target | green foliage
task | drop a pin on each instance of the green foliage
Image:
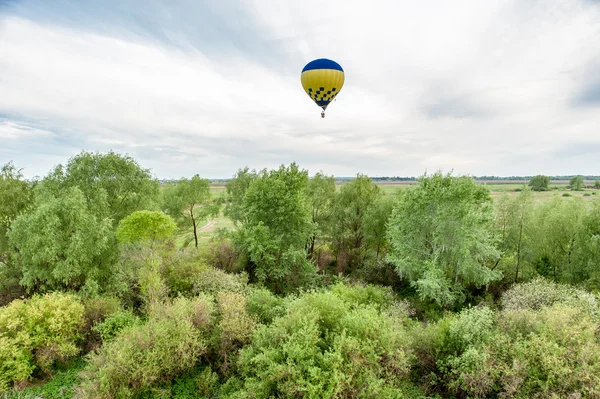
(539, 183)
(236, 189)
(264, 305)
(16, 196)
(576, 183)
(61, 244)
(189, 200)
(233, 330)
(110, 327)
(514, 220)
(37, 333)
(325, 347)
(146, 226)
(277, 227)
(540, 293)
(212, 281)
(143, 356)
(442, 237)
(113, 185)
(321, 196)
(351, 210)
(597, 184)
(532, 348)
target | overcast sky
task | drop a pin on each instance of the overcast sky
(494, 87)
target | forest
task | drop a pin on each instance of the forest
(108, 289)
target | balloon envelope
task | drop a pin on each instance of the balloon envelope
(322, 79)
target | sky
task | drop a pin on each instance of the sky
(495, 87)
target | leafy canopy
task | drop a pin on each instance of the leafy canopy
(442, 237)
(146, 226)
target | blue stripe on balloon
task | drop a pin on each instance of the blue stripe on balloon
(322, 63)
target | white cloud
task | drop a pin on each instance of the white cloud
(478, 87)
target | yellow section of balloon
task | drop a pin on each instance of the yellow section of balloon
(322, 80)
(322, 84)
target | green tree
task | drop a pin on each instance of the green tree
(189, 200)
(557, 228)
(442, 237)
(16, 197)
(375, 225)
(515, 216)
(236, 189)
(321, 195)
(597, 184)
(352, 205)
(146, 226)
(62, 244)
(539, 183)
(113, 185)
(576, 183)
(277, 228)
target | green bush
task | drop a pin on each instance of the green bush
(233, 330)
(554, 352)
(539, 293)
(551, 351)
(181, 271)
(96, 311)
(115, 323)
(37, 333)
(264, 305)
(325, 346)
(147, 355)
(212, 281)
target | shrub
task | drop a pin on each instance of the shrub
(324, 347)
(181, 274)
(36, 334)
(264, 305)
(211, 281)
(221, 254)
(233, 330)
(539, 293)
(115, 323)
(557, 351)
(147, 355)
(96, 311)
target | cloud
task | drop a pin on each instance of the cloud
(210, 87)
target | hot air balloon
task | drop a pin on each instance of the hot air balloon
(322, 79)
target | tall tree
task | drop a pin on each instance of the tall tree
(442, 237)
(351, 208)
(236, 189)
(189, 199)
(557, 228)
(277, 227)
(516, 218)
(321, 195)
(113, 185)
(62, 244)
(16, 196)
(375, 225)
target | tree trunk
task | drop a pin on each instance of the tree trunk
(194, 224)
(456, 277)
(519, 249)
